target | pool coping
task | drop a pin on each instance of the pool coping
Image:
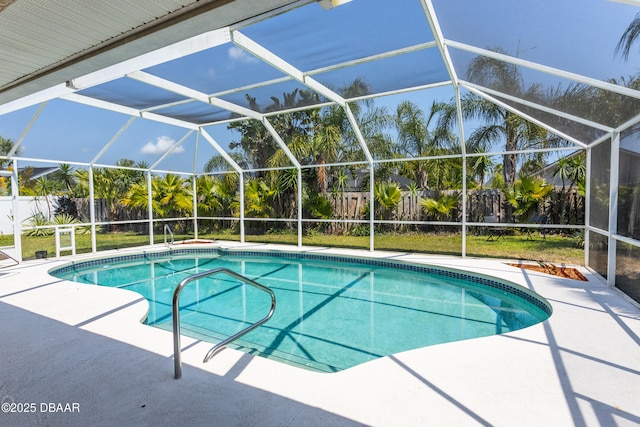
(578, 367)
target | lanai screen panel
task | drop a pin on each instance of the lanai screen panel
(600, 185)
(310, 38)
(68, 132)
(573, 127)
(572, 97)
(413, 69)
(218, 69)
(132, 93)
(13, 124)
(145, 142)
(578, 36)
(195, 112)
(629, 184)
(275, 97)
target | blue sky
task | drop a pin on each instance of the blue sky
(573, 35)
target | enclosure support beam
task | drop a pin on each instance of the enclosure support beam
(299, 196)
(463, 147)
(195, 188)
(194, 191)
(92, 211)
(369, 157)
(371, 209)
(150, 206)
(164, 54)
(613, 208)
(430, 13)
(587, 206)
(434, 24)
(241, 207)
(17, 227)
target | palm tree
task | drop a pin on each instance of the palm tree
(418, 136)
(220, 164)
(578, 170)
(387, 195)
(65, 176)
(317, 206)
(81, 179)
(170, 196)
(137, 197)
(572, 168)
(563, 170)
(441, 206)
(173, 195)
(480, 168)
(628, 38)
(208, 195)
(256, 143)
(258, 199)
(45, 187)
(500, 123)
(525, 194)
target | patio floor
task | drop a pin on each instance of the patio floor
(68, 343)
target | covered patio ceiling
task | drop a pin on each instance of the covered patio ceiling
(198, 65)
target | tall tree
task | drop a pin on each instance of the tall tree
(419, 135)
(500, 124)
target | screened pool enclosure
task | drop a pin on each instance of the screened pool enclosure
(411, 125)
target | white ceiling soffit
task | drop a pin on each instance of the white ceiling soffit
(48, 42)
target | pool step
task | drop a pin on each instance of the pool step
(247, 346)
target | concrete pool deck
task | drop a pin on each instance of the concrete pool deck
(67, 346)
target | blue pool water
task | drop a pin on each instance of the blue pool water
(331, 313)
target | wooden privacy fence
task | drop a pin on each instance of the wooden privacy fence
(561, 208)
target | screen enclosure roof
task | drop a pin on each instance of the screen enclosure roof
(121, 73)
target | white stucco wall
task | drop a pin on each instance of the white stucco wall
(27, 207)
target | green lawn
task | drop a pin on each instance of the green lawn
(555, 249)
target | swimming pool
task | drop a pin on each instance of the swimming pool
(332, 312)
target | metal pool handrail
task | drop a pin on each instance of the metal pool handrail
(167, 228)
(177, 361)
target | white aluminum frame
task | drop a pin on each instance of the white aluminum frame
(133, 69)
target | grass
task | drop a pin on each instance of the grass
(554, 249)
(104, 242)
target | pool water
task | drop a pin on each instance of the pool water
(330, 314)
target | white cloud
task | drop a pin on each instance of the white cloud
(161, 146)
(237, 54)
